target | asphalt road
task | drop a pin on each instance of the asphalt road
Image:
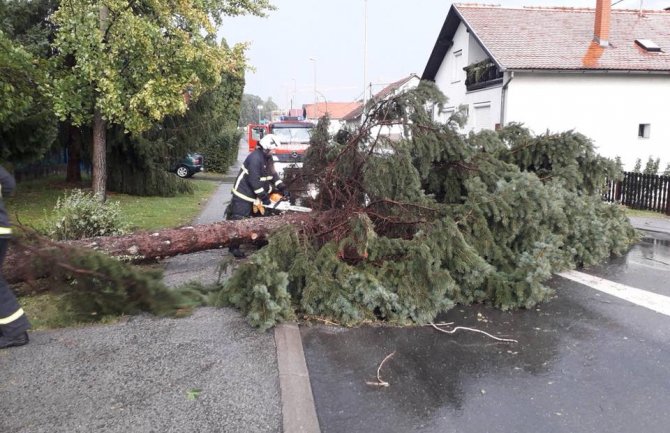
(585, 362)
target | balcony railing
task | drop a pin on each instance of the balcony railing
(482, 74)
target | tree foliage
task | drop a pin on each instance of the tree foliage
(129, 63)
(95, 285)
(249, 109)
(27, 123)
(652, 166)
(136, 65)
(209, 126)
(407, 229)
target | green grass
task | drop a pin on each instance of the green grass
(50, 311)
(646, 214)
(34, 201)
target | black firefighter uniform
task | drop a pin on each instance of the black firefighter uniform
(13, 320)
(257, 178)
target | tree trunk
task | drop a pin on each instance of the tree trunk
(144, 246)
(99, 156)
(73, 154)
(99, 153)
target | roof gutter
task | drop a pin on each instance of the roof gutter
(503, 98)
(593, 71)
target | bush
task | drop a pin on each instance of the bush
(222, 153)
(81, 215)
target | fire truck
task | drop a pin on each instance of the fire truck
(294, 133)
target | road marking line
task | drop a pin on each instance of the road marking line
(644, 298)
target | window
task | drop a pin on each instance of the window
(446, 114)
(257, 133)
(644, 130)
(457, 66)
(483, 116)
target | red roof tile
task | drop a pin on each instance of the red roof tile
(383, 93)
(561, 38)
(335, 110)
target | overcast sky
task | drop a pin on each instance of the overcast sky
(400, 37)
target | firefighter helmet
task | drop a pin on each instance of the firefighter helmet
(270, 142)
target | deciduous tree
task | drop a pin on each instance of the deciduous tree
(130, 63)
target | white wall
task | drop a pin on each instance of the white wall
(483, 105)
(607, 108)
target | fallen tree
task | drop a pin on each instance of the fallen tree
(402, 230)
(408, 228)
(29, 260)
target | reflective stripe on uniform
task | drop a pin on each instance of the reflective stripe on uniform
(259, 190)
(243, 197)
(278, 182)
(240, 176)
(5, 230)
(9, 319)
(243, 171)
(266, 178)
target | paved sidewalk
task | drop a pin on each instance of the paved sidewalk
(210, 372)
(660, 224)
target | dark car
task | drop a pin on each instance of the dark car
(191, 164)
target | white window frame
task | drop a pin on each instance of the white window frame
(457, 67)
(644, 130)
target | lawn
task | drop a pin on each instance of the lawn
(34, 201)
(645, 214)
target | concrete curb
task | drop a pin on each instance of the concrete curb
(297, 400)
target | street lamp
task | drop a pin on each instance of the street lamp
(312, 59)
(260, 107)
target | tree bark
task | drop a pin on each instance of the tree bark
(99, 156)
(144, 246)
(99, 153)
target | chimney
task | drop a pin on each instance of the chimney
(601, 31)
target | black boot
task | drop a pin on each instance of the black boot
(237, 252)
(18, 340)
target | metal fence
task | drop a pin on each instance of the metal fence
(53, 163)
(640, 191)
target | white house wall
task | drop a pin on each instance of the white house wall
(606, 108)
(483, 105)
(395, 131)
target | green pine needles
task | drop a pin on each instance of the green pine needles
(405, 229)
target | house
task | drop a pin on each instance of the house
(335, 111)
(353, 118)
(602, 72)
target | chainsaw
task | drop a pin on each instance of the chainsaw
(278, 204)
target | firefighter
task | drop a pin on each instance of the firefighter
(256, 180)
(13, 321)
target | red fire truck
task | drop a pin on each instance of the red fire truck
(294, 134)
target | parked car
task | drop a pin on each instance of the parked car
(191, 164)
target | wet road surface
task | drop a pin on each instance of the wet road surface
(646, 266)
(584, 362)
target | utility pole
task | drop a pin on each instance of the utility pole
(312, 59)
(365, 57)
